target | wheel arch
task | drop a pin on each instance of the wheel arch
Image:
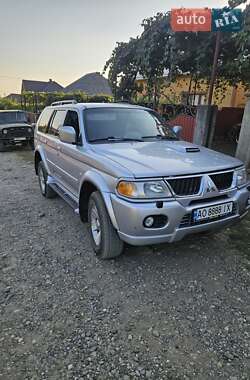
(39, 156)
(37, 159)
(91, 182)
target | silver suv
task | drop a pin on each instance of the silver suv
(126, 173)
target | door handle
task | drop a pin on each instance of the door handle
(59, 148)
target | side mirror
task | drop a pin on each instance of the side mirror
(177, 130)
(67, 134)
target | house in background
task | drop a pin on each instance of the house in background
(91, 84)
(181, 91)
(36, 86)
(17, 98)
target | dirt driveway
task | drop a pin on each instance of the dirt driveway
(177, 311)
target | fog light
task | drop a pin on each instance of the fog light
(155, 221)
(149, 221)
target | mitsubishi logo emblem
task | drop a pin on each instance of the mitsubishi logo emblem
(209, 186)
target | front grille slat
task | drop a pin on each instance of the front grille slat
(222, 181)
(185, 186)
(182, 187)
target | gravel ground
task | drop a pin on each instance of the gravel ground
(177, 311)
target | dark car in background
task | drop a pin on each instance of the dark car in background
(15, 129)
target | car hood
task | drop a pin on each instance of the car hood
(165, 158)
(13, 125)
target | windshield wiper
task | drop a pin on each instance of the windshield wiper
(114, 139)
(160, 137)
(152, 137)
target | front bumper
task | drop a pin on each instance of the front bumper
(130, 216)
(17, 140)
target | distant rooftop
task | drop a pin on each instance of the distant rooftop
(41, 86)
(91, 84)
(14, 97)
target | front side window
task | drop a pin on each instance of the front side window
(121, 124)
(13, 117)
(72, 120)
(44, 119)
(57, 122)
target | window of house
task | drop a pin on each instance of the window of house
(193, 99)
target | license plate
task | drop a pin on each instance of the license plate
(211, 212)
(19, 138)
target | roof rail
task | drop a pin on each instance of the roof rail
(62, 102)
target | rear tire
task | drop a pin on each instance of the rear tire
(46, 190)
(104, 238)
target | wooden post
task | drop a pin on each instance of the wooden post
(243, 148)
(214, 69)
(205, 125)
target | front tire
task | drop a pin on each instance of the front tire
(104, 238)
(46, 190)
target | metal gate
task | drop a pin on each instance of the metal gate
(182, 115)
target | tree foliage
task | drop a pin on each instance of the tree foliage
(8, 104)
(123, 68)
(35, 102)
(159, 50)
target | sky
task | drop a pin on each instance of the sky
(65, 39)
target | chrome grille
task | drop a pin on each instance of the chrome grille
(185, 186)
(222, 181)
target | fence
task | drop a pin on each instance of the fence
(182, 115)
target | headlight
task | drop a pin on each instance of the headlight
(143, 190)
(5, 131)
(30, 130)
(241, 176)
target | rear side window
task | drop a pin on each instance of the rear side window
(44, 120)
(58, 121)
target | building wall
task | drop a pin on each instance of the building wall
(227, 97)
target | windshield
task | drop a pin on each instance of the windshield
(12, 117)
(124, 124)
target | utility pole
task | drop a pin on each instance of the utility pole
(214, 68)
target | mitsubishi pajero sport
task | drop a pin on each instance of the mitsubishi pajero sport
(130, 177)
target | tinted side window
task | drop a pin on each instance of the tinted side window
(58, 121)
(72, 120)
(44, 120)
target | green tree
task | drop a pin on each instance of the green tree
(155, 53)
(123, 68)
(158, 50)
